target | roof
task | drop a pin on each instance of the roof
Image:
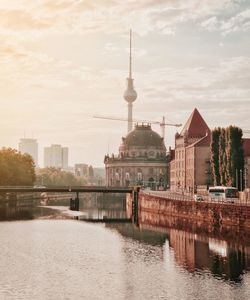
(246, 147)
(143, 136)
(195, 125)
(203, 142)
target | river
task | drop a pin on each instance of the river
(47, 254)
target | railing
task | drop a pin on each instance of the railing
(67, 189)
(188, 197)
(169, 195)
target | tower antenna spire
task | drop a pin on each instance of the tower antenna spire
(130, 53)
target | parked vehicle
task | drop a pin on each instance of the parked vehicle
(223, 193)
(198, 197)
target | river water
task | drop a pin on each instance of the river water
(47, 255)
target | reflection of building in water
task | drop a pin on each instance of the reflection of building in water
(195, 252)
(143, 235)
(189, 252)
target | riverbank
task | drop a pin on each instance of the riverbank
(209, 213)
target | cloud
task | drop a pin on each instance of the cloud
(214, 87)
(61, 61)
(210, 24)
(105, 15)
(240, 22)
(237, 23)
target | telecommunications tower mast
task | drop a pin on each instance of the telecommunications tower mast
(130, 94)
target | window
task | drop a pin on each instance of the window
(139, 176)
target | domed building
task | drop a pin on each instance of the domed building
(142, 160)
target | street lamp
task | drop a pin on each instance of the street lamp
(241, 180)
(246, 171)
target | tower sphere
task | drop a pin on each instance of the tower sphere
(130, 94)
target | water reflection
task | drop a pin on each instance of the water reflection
(223, 252)
(225, 259)
(29, 212)
(194, 252)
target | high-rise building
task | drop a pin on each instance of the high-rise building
(29, 146)
(56, 156)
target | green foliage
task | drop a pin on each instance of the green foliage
(215, 155)
(16, 168)
(222, 157)
(227, 156)
(57, 177)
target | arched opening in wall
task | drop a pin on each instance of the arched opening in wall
(161, 184)
(151, 183)
(117, 178)
(127, 179)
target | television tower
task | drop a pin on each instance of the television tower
(130, 94)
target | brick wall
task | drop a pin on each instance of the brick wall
(210, 213)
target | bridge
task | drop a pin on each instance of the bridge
(74, 203)
(67, 189)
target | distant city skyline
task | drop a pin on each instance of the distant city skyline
(29, 146)
(64, 61)
(56, 156)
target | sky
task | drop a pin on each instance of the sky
(63, 61)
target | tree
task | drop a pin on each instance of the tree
(222, 156)
(16, 168)
(57, 177)
(227, 156)
(215, 155)
(235, 156)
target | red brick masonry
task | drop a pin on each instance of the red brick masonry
(212, 213)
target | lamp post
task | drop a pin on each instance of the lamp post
(241, 180)
(245, 177)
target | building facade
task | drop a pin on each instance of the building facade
(142, 160)
(29, 146)
(56, 156)
(190, 164)
(81, 170)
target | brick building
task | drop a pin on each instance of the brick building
(190, 164)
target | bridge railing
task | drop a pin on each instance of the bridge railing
(67, 189)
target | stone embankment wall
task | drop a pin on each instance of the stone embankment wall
(212, 213)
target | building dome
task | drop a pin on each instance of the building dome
(143, 136)
(142, 160)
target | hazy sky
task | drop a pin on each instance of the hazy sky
(62, 61)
